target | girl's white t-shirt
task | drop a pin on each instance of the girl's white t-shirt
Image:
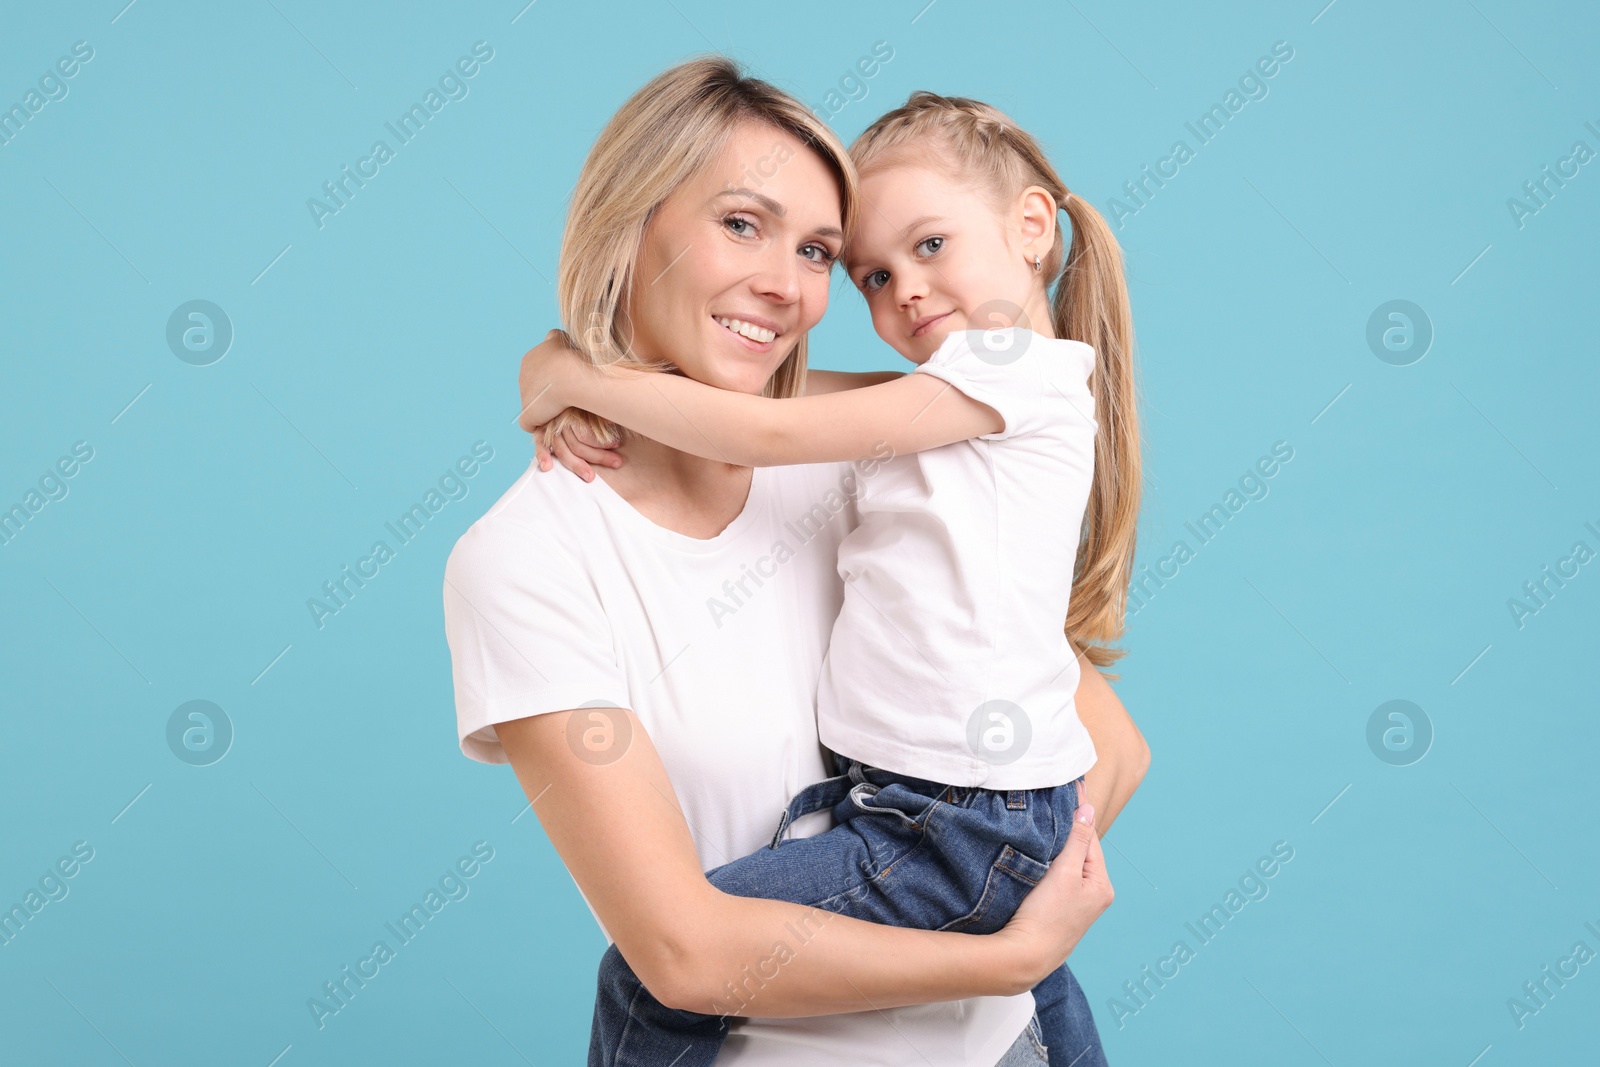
(948, 660)
(563, 595)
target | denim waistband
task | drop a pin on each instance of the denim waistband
(857, 775)
(814, 797)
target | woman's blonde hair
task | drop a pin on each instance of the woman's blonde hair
(660, 138)
(1090, 304)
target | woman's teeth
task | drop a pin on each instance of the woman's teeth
(750, 330)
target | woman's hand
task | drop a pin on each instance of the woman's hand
(1058, 911)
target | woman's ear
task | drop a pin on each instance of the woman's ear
(1036, 214)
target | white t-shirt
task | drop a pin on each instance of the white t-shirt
(564, 595)
(948, 660)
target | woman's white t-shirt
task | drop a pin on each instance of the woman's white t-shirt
(563, 595)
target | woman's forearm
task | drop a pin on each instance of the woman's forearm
(694, 946)
(1121, 751)
(745, 956)
(807, 961)
(817, 962)
(813, 962)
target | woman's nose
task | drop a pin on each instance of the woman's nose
(779, 279)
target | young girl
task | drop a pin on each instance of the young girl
(998, 492)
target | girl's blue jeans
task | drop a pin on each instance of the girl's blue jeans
(903, 851)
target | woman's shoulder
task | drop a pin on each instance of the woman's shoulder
(535, 521)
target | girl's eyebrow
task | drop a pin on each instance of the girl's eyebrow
(909, 228)
(772, 206)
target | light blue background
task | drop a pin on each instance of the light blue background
(375, 351)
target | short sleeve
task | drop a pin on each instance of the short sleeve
(1000, 368)
(526, 632)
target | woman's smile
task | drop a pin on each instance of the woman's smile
(755, 334)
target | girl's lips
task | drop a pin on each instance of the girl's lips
(927, 323)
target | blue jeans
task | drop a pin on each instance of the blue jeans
(1028, 1050)
(903, 851)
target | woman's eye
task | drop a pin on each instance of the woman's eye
(733, 221)
(932, 244)
(875, 280)
(822, 256)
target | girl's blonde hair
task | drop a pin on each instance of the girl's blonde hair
(1090, 304)
(668, 130)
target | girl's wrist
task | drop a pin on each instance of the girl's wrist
(592, 387)
(580, 385)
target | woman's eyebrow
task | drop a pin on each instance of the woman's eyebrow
(762, 199)
(773, 207)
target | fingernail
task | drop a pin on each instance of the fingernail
(1085, 813)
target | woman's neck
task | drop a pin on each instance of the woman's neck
(685, 493)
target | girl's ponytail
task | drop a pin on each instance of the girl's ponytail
(1091, 305)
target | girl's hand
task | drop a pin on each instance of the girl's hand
(1054, 916)
(546, 369)
(573, 439)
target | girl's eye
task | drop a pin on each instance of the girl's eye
(874, 281)
(932, 244)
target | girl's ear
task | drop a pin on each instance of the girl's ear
(1036, 210)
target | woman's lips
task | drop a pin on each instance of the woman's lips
(752, 345)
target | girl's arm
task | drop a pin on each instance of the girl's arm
(832, 381)
(910, 413)
(618, 829)
(580, 450)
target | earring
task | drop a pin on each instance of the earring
(1036, 266)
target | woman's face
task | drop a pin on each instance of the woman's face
(736, 263)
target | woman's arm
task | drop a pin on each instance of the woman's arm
(910, 413)
(1121, 751)
(618, 829)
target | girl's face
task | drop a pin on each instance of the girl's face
(932, 256)
(736, 263)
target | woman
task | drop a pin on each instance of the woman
(643, 647)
